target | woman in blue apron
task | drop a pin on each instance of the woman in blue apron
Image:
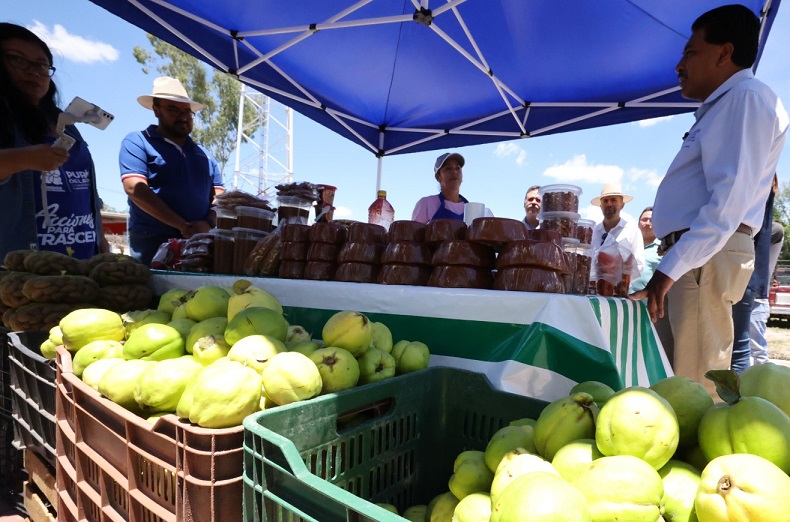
(48, 196)
(449, 203)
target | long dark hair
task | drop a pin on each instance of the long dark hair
(15, 109)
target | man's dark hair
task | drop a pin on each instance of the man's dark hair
(530, 189)
(14, 106)
(735, 24)
(647, 209)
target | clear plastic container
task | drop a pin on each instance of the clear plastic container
(562, 222)
(581, 279)
(381, 212)
(226, 218)
(559, 198)
(254, 218)
(569, 247)
(223, 251)
(293, 209)
(244, 241)
(584, 231)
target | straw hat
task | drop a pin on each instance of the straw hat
(611, 189)
(168, 88)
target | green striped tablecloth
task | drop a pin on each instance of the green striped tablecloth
(533, 344)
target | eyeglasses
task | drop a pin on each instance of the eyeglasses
(175, 112)
(23, 64)
(604, 236)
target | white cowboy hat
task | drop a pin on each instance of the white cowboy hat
(168, 88)
(611, 189)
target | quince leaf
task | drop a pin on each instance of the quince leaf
(728, 384)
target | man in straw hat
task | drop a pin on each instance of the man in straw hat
(713, 196)
(615, 230)
(170, 180)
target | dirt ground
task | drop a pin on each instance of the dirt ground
(779, 340)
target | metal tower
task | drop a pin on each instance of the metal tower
(264, 158)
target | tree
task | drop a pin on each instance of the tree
(217, 124)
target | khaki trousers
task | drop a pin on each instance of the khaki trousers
(700, 310)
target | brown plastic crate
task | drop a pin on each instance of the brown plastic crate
(113, 465)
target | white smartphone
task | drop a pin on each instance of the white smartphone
(64, 142)
(89, 113)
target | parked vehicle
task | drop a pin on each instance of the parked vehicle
(779, 296)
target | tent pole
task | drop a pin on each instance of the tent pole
(380, 161)
(378, 174)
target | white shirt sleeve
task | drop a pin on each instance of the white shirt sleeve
(735, 143)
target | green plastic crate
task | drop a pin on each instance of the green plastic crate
(331, 458)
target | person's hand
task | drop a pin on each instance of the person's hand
(187, 229)
(46, 157)
(655, 292)
(201, 227)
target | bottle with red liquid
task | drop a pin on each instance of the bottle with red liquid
(381, 212)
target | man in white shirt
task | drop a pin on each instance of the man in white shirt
(713, 196)
(614, 230)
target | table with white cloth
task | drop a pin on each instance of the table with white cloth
(532, 344)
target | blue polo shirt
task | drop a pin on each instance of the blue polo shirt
(182, 177)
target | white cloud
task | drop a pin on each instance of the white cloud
(506, 150)
(577, 169)
(591, 212)
(342, 213)
(73, 47)
(653, 121)
(644, 177)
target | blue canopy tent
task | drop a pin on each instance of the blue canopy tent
(399, 76)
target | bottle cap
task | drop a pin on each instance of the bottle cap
(382, 193)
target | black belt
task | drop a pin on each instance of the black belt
(670, 239)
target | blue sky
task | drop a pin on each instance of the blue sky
(93, 54)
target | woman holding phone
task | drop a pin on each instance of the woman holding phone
(48, 194)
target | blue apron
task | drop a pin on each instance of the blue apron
(446, 213)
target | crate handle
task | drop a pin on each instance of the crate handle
(362, 414)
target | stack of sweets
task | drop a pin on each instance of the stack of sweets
(325, 242)
(359, 260)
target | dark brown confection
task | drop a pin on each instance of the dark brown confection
(536, 254)
(584, 234)
(292, 269)
(322, 252)
(464, 253)
(414, 275)
(294, 250)
(328, 233)
(295, 232)
(581, 280)
(524, 279)
(447, 276)
(562, 222)
(559, 201)
(320, 270)
(360, 252)
(407, 253)
(366, 233)
(440, 230)
(357, 272)
(406, 231)
(541, 234)
(495, 232)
